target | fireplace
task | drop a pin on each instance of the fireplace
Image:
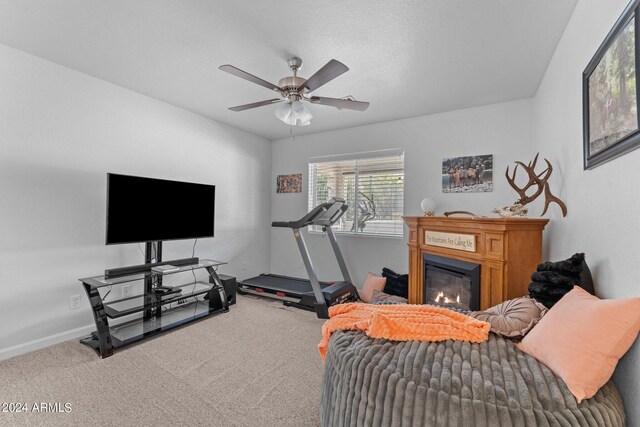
(506, 249)
(451, 283)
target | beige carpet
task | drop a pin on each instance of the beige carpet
(257, 365)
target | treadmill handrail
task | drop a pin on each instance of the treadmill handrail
(325, 214)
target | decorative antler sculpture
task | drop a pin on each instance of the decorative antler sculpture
(539, 180)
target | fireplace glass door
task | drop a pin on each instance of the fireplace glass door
(451, 283)
(448, 288)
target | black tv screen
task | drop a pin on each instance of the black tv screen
(143, 209)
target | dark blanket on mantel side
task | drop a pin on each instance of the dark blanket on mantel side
(377, 382)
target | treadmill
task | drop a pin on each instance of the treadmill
(308, 294)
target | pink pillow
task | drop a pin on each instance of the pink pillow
(373, 283)
(582, 338)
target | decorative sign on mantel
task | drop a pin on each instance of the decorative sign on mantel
(462, 242)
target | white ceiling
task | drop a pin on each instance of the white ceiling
(408, 58)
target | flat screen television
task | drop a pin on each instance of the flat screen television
(143, 209)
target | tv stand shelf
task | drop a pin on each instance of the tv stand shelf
(138, 303)
(161, 311)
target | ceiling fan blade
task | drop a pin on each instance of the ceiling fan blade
(244, 75)
(346, 104)
(255, 104)
(330, 71)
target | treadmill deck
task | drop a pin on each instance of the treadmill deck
(277, 283)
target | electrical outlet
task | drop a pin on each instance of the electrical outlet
(126, 291)
(74, 302)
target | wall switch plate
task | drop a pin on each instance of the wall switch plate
(74, 302)
(126, 291)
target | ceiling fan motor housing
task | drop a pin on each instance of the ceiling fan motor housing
(290, 86)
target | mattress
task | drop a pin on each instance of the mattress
(377, 382)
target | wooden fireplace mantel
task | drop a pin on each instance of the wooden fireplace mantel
(507, 250)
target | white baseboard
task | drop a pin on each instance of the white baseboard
(16, 350)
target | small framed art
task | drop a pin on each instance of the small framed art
(291, 183)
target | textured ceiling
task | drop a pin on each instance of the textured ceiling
(408, 58)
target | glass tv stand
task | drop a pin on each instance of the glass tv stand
(147, 303)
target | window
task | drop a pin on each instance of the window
(371, 183)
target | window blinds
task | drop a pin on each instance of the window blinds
(372, 186)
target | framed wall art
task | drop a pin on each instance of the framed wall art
(467, 174)
(291, 183)
(610, 94)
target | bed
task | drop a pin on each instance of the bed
(377, 382)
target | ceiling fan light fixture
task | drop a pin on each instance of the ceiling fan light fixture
(290, 120)
(294, 113)
(283, 111)
(301, 112)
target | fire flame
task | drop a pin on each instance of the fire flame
(440, 298)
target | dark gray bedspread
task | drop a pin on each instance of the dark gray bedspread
(377, 382)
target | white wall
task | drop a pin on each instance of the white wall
(503, 130)
(60, 133)
(603, 202)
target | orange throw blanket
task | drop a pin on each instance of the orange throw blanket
(403, 323)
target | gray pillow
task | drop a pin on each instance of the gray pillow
(512, 318)
(381, 298)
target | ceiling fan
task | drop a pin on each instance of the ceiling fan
(293, 90)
